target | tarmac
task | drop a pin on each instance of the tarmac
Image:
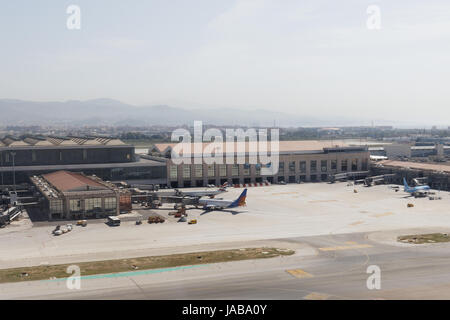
(336, 233)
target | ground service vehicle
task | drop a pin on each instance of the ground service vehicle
(113, 221)
(82, 223)
(154, 219)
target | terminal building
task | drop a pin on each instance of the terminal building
(108, 158)
(111, 159)
(299, 161)
(406, 150)
(437, 174)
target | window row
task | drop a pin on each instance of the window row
(90, 204)
(322, 166)
(199, 171)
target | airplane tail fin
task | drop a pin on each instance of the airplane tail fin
(224, 186)
(240, 201)
(405, 184)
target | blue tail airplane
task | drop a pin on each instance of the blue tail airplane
(216, 204)
(415, 190)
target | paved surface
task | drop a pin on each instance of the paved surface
(272, 212)
(336, 233)
(338, 271)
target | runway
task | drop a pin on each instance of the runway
(338, 270)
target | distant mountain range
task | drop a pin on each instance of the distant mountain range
(113, 112)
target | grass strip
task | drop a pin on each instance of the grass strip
(141, 263)
(424, 238)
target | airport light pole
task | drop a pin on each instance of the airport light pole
(13, 154)
(1, 161)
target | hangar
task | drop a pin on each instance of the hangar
(72, 195)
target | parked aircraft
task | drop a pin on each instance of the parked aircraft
(203, 193)
(415, 191)
(216, 204)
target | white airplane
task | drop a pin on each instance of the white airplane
(204, 193)
(216, 204)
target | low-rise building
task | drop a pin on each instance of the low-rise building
(72, 195)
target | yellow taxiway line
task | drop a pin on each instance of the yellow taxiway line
(299, 273)
(347, 247)
(316, 296)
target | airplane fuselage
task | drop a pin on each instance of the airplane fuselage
(414, 190)
(417, 189)
(217, 204)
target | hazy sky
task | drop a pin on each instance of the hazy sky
(310, 58)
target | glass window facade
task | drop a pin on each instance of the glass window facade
(222, 170)
(354, 164)
(211, 170)
(130, 173)
(110, 204)
(173, 171)
(281, 168)
(56, 206)
(333, 164)
(344, 165)
(91, 204)
(234, 170)
(75, 205)
(246, 169)
(186, 171)
(313, 165)
(323, 165)
(292, 166)
(302, 166)
(198, 170)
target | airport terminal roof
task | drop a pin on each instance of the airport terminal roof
(416, 165)
(65, 181)
(284, 146)
(55, 141)
(142, 162)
